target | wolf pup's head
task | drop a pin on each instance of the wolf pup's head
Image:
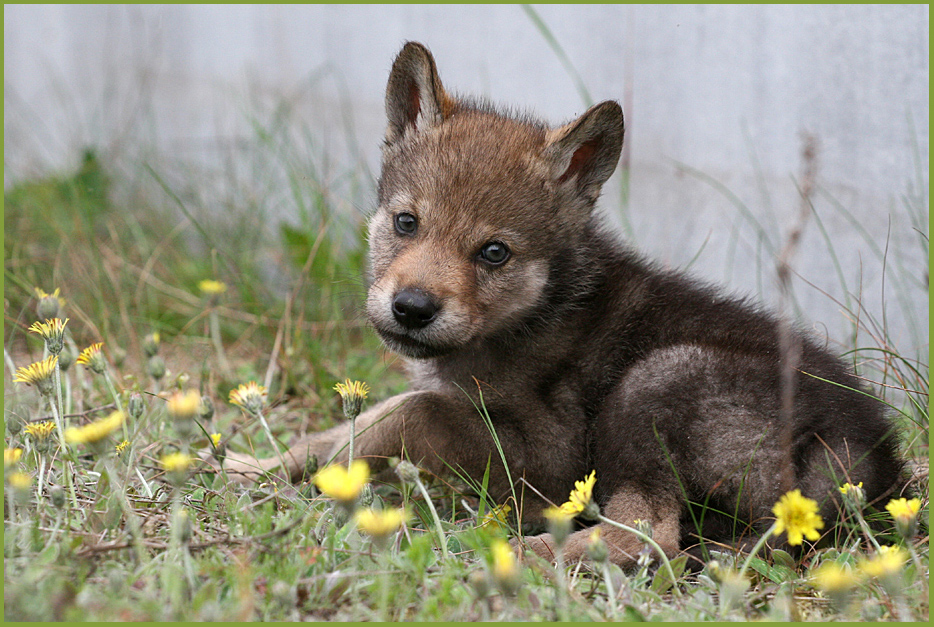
(476, 209)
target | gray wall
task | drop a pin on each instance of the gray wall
(716, 99)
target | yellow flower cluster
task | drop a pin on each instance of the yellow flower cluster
(352, 394)
(95, 431)
(53, 332)
(497, 518)
(798, 516)
(578, 500)
(184, 405)
(249, 396)
(904, 509)
(40, 430)
(342, 484)
(886, 562)
(212, 287)
(505, 567)
(176, 462)
(38, 374)
(380, 523)
(93, 358)
(11, 456)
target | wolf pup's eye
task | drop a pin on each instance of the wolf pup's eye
(406, 224)
(495, 253)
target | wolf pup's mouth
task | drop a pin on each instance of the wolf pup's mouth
(411, 347)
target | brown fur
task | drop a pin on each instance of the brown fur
(586, 356)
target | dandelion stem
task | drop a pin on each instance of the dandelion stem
(66, 453)
(610, 593)
(41, 461)
(353, 422)
(9, 361)
(216, 339)
(272, 440)
(113, 392)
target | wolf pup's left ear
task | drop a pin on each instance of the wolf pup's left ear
(586, 151)
(415, 98)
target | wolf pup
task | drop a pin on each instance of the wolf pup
(491, 273)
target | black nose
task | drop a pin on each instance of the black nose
(414, 309)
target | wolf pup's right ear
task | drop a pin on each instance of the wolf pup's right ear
(586, 151)
(415, 99)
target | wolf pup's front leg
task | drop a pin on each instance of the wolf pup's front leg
(437, 432)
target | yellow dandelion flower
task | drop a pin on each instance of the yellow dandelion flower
(798, 516)
(212, 287)
(497, 518)
(184, 405)
(122, 446)
(53, 332)
(249, 396)
(905, 512)
(886, 562)
(176, 462)
(832, 577)
(352, 395)
(341, 484)
(380, 523)
(38, 374)
(905, 509)
(93, 358)
(215, 439)
(581, 496)
(95, 431)
(847, 487)
(19, 480)
(40, 430)
(505, 566)
(50, 305)
(11, 456)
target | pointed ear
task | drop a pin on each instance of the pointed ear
(585, 152)
(415, 98)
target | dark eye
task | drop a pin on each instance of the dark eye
(406, 223)
(494, 253)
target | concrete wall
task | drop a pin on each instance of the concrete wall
(716, 99)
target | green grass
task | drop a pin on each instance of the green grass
(128, 248)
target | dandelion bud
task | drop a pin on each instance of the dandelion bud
(49, 305)
(220, 449)
(176, 467)
(57, 495)
(559, 524)
(155, 367)
(366, 496)
(136, 405)
(66, 358)
(407, 471)
(14, 425)
(506, 572)
(21, 484)
(480, 583)
(206, 408)
(183, 525)
(596, 547)
(311, 466)
(853, 495)
(151, 344)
